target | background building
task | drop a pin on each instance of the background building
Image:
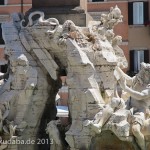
(139, 34)
(135, 28)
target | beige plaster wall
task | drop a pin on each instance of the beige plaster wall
(139, 37)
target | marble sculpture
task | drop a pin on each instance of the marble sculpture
(37, 49)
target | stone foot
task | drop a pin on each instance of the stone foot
(87, 123)
(96, 128)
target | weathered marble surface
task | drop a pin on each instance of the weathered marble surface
(128, 118)
(37, 51)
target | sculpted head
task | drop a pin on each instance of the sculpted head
(22, 60)
(116, 12)
(69, 25)
(19, 62)
(110, 34)
(144, 74)
(117, 40)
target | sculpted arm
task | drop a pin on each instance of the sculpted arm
(145, 94)
(120, 74)
(137, 95)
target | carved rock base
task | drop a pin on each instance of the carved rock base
(109, 141)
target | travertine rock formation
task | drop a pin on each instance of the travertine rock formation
(37, 51)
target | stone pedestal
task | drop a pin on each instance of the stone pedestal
(108, 141)
(47, 3)
(63, 10)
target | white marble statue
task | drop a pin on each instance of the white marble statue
(135, 108)
(138, 88)
(115, 104)
(112, 19)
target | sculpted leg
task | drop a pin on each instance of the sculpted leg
(105, 116)
(136, 130)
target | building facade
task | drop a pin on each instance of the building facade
(7, 7)
(139, 33)
(135, 28)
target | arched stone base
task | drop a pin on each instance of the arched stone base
(109, 141)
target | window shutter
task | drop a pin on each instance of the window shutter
(131, 60)
(1, 38)
(146, 56)
(2, 2)
(130, 13)
(146, 14)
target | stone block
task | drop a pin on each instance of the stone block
(58, 3)
(78, 19)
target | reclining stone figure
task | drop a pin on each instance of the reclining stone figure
(138, 88)
(115, 104)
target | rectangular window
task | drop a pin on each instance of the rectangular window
(2, 2)
(1, 38)
(138, 17)
(136, 57)
(138, 13)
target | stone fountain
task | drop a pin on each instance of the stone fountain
(37, 50)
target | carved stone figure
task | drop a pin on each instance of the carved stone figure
(54, 136)
(112, 19)
(115, 104)
(138, 88)
(120, 55)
